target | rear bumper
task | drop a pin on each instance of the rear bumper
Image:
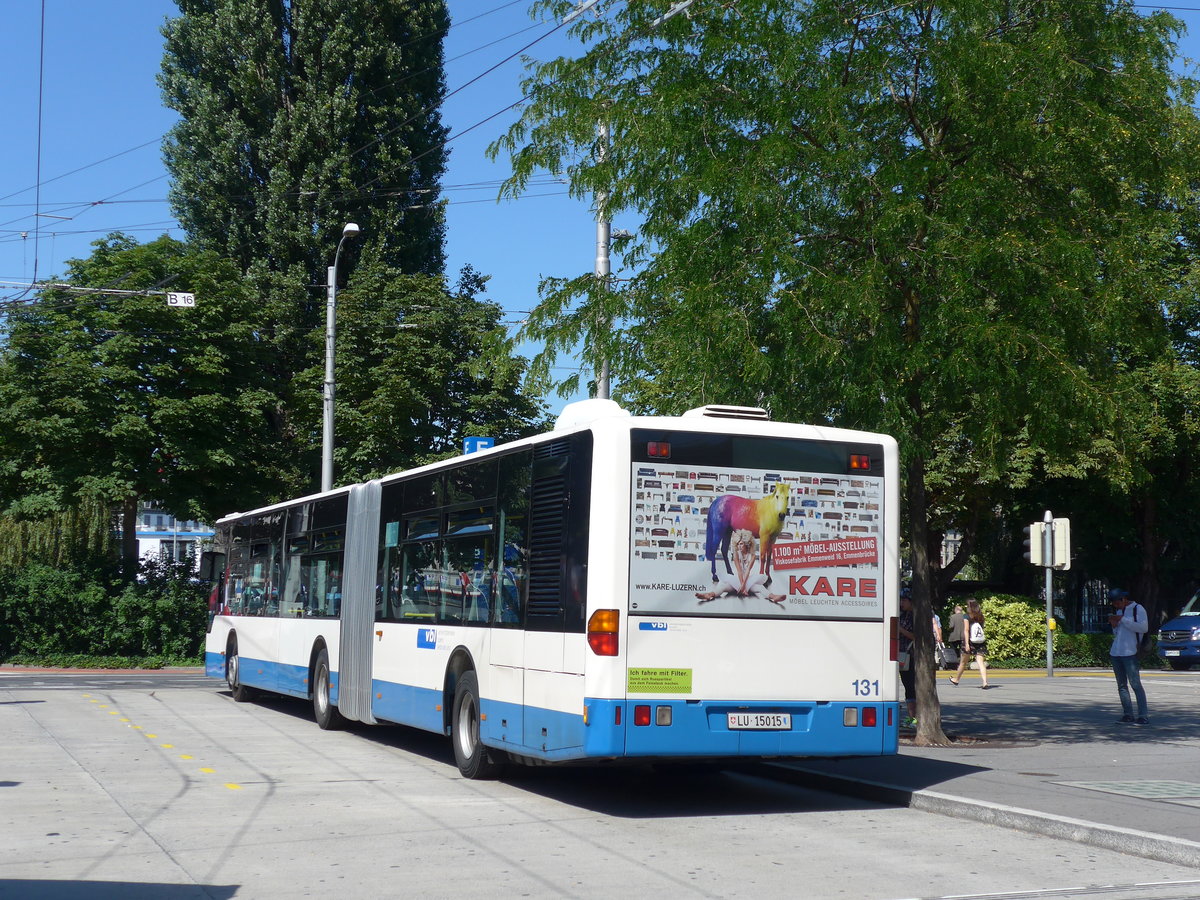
(701, 728)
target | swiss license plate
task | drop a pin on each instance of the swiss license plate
(1170, 652)
(760, 721)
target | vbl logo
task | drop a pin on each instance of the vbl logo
(427, 638)
(652, 626)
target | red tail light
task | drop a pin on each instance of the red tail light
(870, 716)
(894, 639)
(641, 715)
(602, 632)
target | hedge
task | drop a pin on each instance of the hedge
(54, 615)
(1016, 636)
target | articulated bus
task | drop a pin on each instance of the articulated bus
(703, 587)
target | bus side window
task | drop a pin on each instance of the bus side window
(512, 565)
(470, 566)
(322, 584)
(511, 581)
(419, 579)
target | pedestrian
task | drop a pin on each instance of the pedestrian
(907, 672)
(954, 638)
(974, 642)
(956, 629)
(1129, 622)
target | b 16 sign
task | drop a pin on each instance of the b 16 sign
(180, 299)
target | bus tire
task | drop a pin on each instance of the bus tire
(233, 675)
(324, 711)
(471, 756)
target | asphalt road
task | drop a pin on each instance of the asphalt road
(160, 786)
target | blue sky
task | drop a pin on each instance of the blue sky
(102, 119)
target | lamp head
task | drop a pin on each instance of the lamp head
(351, 230)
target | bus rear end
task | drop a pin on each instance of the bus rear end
(757, 590)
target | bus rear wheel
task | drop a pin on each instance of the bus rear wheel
(233, 676)
(324, 711)
(470, 754)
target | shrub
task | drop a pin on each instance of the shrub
(49, 613)
(1016, 635)
(1015, 626)
(163, 614)
(49, 610)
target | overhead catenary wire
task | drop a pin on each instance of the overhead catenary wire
(80, 208)
(14, 236)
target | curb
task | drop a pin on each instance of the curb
(1160, 847)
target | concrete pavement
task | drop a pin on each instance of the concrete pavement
(1045, 755)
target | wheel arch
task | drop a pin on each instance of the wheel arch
(231, 643)
(460, 661)
(318, 645)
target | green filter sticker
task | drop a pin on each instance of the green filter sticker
(660, 681)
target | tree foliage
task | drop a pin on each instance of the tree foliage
(108, 395)
(421, 366)
(950, 222)
(299, 117)
(296, 119)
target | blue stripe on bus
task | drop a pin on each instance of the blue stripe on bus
(405, 704)
(268, 676)
(699, 728)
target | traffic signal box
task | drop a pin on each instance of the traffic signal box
(1034, 544)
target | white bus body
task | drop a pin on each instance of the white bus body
(579, 596)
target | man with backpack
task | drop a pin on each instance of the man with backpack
(1129, 624)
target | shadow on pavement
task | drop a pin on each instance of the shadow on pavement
(116, 890)
(678, 791)
(1062, 722)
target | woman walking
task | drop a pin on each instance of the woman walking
(974, 642)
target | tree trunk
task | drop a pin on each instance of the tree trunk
(129, 541)
(1145, 588)
(929, 708)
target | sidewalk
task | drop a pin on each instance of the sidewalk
(1049, 759)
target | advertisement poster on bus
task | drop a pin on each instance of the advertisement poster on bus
(753, 542)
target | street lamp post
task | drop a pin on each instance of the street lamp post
(350, 231)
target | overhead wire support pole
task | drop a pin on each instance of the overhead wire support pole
(349, 231)
(603, 259)
(1048, 562)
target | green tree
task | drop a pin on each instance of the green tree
(299, 117)
(936, 220)
(107, 393)
(420, 367)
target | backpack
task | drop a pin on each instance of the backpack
(977, 635)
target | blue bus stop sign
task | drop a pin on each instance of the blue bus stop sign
(475, 444)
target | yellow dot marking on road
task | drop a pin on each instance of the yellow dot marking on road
(233, 787)
(115, 712)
